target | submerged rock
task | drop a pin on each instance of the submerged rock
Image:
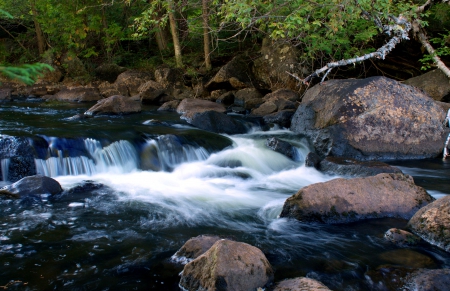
(342, 200)
(228, 265)
(32, 185)
(300, 284)
(432, 223)
(354, 168)
(428, 280)
(282, 147)
(408, 258)
(194, 248)
(401, 237)
(369, 119)
(17, 156)
(116, 104)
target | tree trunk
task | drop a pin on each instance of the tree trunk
(206, 38)
(173, 30)
(161, 39)
(37, 27)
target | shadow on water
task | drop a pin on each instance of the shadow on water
(154, 182)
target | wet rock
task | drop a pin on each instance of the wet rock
(283, 94)
(109, 72)
(228, 265)
(32, 185)
(282, 118)
(18, 154)
(217, 122)
(282, 147)
(238, 110)
(300, 284)
(265, 109)
(432, 223)
(80, 116)
(132, 80)
(236, 72)
(226, 98)
(312, 160)
(5, 94)
(194, 248)
(152, 93)
(87, 186)
(107, 89)
(190, 107)
(115, 105)
(428, 280)
(342, 200)
(401, 237)
(79, 94)
(373, 118)
(170, 106)
(354, 168)
(435, 83)
(407, 258)
(248, 98)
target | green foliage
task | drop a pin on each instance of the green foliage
(26, 73)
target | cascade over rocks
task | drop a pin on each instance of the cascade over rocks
(78, 94)
(373, 118)
(432, 223)
(115, 105)
(435, 83)
(20, 156)
(355, 168)
(342, 200)
(300, 284)
(32, 185)
(228, 265)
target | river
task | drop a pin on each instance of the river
(152, 182)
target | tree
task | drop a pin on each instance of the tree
(206, 38)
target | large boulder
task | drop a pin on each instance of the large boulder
(78, 94)
(428, 280)
(435, 83)
(153, 93)
(189, 107)
(17, 158)
(114, 105)
(300, 284)
(194, 248)
(342, 200)
(32, 185)
(217, 122)
(432, 223)
(132, 80)
(228, 265)
(373, 118)
(236, 74)
(355, 168)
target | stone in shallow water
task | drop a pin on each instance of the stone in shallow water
(300, 284)
(194, 248)
(32, 185)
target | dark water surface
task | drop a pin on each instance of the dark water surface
(160, 190)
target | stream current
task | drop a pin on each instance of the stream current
(152, 182)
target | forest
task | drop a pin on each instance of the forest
(146, 34)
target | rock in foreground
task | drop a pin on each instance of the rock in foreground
(432, 223)
(32, 185)
(300, 284)
(18, 157)
(228, 265)
(341, 200)
(194, 248)
(370, 119)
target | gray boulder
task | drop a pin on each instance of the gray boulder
(342, 200)
(373, 118)
(432, 223)
(32, 185)
(132, 80)
(228, 265)
(282, 147)
(115, 105)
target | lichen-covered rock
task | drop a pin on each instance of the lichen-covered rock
(342, 200)
(194, 248)
(228, 265)
(78, 94)
(401, 237)
(189, 107)
(435, 83)
(32, 185)
(432, 223)
(113, 105)
(18, 155)
(354, 168)
(300, 284)
(368, 119)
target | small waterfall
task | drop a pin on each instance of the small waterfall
(166, 152)
(119, 156)
(4, 166)
(446, 153)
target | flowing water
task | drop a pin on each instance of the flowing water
(137, 187)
